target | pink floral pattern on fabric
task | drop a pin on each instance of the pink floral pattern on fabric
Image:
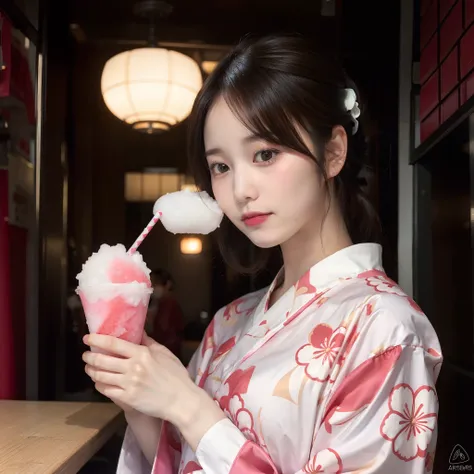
(259, 331)
(231, 402)
(340, 386)
(241, 417)
(304, 286)
(437, 366)
(360, 388)
(327, 460)
(192, 468)
(429, 462)
(410, 421)
(217, 357)
(383, 284)
(208, 339)
(243, 306)
(319, 356)
(351, 339)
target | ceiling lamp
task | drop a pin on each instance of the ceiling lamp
(151, 88)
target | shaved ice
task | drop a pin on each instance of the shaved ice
(187, 212)
(115, 290)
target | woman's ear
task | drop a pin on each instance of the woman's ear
(336, 151)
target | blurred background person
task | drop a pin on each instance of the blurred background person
(165, 320)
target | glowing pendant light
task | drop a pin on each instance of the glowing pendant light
(152, 88)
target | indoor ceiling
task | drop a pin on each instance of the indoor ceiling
(207, 21)
(203, 29)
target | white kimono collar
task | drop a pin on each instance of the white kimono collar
(346, 263)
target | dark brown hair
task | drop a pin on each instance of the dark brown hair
(162, 277)
(275, 84)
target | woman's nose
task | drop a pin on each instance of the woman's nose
(245, 186)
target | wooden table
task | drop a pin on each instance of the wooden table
(53, 437)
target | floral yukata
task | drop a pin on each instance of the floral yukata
(337, 376)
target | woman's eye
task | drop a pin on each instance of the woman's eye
(219, 168)
(263, 156)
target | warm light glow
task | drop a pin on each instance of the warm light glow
(151, 88)
(191, 245)
(189, 187)
(149, 186)
(133, 187)
(209, 66)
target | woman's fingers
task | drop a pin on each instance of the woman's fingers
(114, 393)
(112, 345)
(104, 377)
(147, 340)
(105, 362)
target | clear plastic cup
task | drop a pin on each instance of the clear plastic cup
(121, 311)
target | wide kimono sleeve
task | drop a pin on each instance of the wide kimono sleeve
(380, 415)
(132, 460)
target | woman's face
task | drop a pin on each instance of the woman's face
(159, 289)
(268, 192)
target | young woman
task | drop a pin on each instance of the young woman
(333, 367)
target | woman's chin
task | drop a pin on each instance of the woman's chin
(264, 242)
(261, 237)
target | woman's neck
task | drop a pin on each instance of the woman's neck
(311, 245)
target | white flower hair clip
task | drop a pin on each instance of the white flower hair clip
(352, 106)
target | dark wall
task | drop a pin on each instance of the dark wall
(53, 203)
(102, 149)
(370, 46)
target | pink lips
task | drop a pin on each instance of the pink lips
(255, 218)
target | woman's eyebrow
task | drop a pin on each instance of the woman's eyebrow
(213, 151)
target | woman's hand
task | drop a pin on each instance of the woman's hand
(147, 378)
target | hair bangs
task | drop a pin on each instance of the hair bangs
(284, 91)
(267, 113)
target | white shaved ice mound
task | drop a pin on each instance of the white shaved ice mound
(187, 212)
(95, 281)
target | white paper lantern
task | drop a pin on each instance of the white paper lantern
(151, 88)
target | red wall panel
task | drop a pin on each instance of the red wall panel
(429, 125)
(424, 5)
(446, 60)
(7, 365)
(451, 30)
(444, 7)
(429, 59)
(429, 22)
(450, 105)
(468, 13)
(467, 88)
(449, 73)
(467, 51)
(429, 95)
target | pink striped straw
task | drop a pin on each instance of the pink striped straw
(145, 232)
